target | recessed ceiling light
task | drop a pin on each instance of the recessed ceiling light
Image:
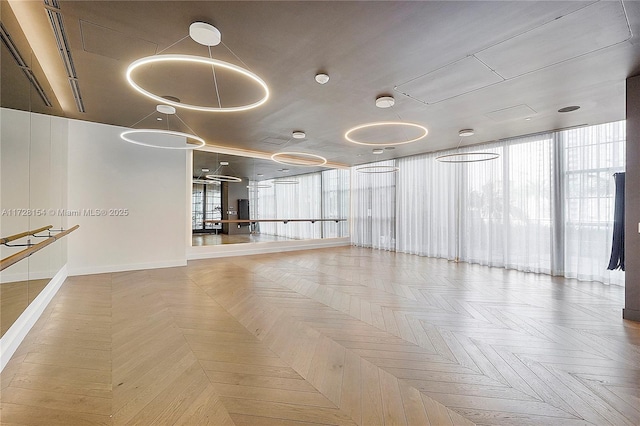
(378, 151)
(159, 118)
(569, 108)
(259, 174)
(205, 34)
(298, 134)
(165, 109)
(389, 148)
(465, 132)
(528, 119)
(205, 170)
(224, 163)
(322, 78)
(385, 102)
(284, 170)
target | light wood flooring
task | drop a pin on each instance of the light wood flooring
(14, 299)
(217, 239)
(332, 336)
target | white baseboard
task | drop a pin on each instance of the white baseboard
(18, 331)
(126, 267)
(24, 276)
(247, 249)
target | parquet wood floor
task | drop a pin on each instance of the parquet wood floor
(346, 336)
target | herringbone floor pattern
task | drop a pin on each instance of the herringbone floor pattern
(332, 336)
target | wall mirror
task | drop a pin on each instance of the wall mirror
(32, 174)
(238, 199)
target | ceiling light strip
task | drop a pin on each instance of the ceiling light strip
(57, 25)
(28, 72)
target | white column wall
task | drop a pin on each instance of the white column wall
(111, 175)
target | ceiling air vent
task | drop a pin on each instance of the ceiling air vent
(57, 24)
(13, 50)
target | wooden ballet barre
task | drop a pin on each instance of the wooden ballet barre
(10, 238)
(17, 257)
(271, 220)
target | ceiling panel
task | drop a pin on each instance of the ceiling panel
(458, 78)
(587, 30)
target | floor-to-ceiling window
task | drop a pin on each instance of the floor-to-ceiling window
(206, 204)
(545, 205)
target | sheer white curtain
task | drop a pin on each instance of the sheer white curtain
(335, 202)
(546, 205)
(426, 209)
(373, 208)
(287, 201)
(506, 206)
(482, 208)
(591, 156)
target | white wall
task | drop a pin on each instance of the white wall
(107, 173)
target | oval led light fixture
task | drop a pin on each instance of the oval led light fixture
(467, 157)
(223, 178)
(377, 169)
(298, 134)
(126, 136)
(385, 102)
(299, 159)
(322, 78)
(205, 34)
(224, 163)
(348, 134)
(196, 60)
(466, 132)
(166, 109)
(378, 151)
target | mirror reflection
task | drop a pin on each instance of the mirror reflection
(32, 164)
(251, 200)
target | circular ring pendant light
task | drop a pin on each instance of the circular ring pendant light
(285, 182)
(206, 182)
(126, 135)
(377, 169)
(168, 111)
(349, 134)
(467, 157)
(292, 158)
(197, 60)
(223, 178)
(259, 186)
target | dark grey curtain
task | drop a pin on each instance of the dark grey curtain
(617, 250)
